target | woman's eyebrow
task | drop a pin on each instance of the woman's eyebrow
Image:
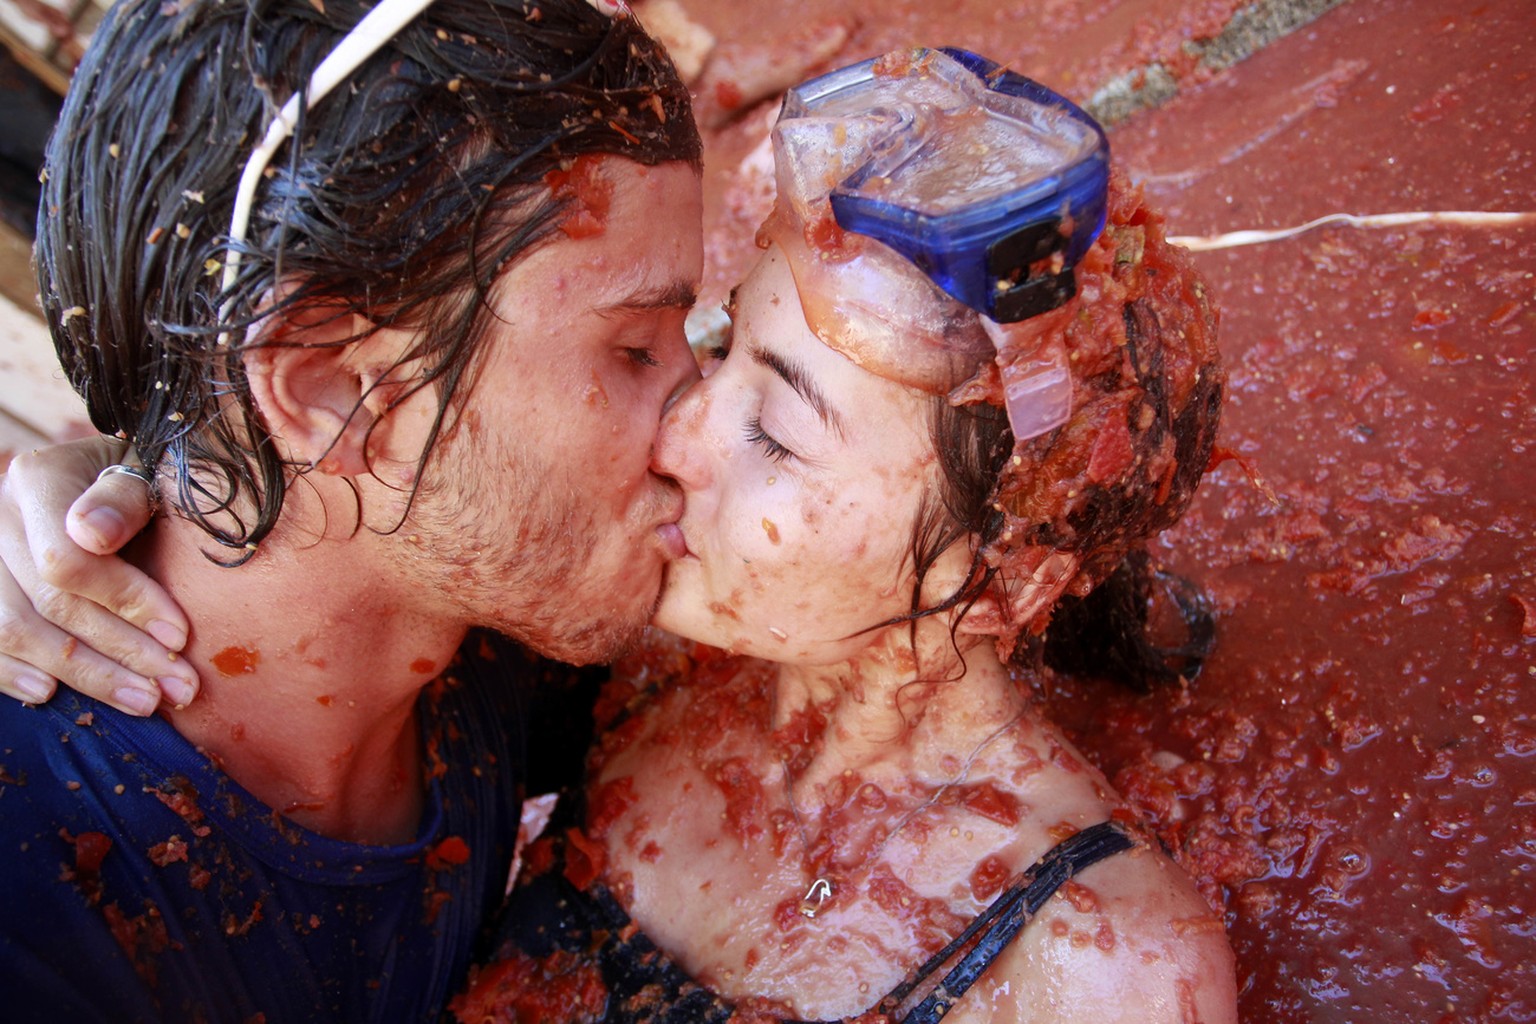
(795, 375)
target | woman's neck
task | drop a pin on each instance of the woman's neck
(892, 713)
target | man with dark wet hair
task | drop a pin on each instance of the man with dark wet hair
(409, 392)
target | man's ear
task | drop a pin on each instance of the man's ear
(315, 373)
(1040, 577)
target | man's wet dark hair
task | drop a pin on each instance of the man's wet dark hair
(401, 197)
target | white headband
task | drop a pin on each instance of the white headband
(378, 27)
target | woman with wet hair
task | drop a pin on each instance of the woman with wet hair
(262, 856)
(845, 806)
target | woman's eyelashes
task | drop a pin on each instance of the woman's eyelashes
(771, 446)
(720, 352)
(760, 437)
(717, 353)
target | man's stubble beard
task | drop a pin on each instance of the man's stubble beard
(527, 572)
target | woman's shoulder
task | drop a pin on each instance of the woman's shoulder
(1127, 939)
(681, 741)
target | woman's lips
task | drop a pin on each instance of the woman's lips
(673, 543)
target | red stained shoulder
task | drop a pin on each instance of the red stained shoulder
(988, 878)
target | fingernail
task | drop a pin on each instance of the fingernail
(170, 637)
(136, 700)
(179, 691)
(34, 689)
(107, 525)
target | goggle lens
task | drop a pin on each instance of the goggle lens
(990, 183)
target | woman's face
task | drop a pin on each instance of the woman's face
(802, 475)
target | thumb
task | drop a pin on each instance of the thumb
(110, 512)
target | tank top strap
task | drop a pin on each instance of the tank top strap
(995, 928)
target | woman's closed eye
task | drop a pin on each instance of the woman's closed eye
(771, 447)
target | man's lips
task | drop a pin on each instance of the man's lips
(673, 543)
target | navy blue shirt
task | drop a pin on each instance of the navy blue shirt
(140, 883)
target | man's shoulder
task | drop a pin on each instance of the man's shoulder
(72, 803)
(50, 752)
(146, 868)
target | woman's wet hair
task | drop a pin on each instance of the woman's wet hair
(1147, 403)
(401, 198)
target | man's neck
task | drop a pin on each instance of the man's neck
(311, 661)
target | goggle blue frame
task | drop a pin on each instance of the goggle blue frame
(997, 256)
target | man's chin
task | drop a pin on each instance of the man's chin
(597, 642)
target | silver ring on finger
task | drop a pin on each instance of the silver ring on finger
(137, 472)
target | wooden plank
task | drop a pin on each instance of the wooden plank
(53, 76)
(17, 281)
(33, 390)
(16, 437)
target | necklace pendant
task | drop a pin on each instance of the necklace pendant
(819, 892)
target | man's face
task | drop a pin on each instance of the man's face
(538, 516)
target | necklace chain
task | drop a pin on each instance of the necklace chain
(822, 888)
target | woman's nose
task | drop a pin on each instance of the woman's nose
(680, 440)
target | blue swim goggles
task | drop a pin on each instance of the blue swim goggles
(991, 184)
